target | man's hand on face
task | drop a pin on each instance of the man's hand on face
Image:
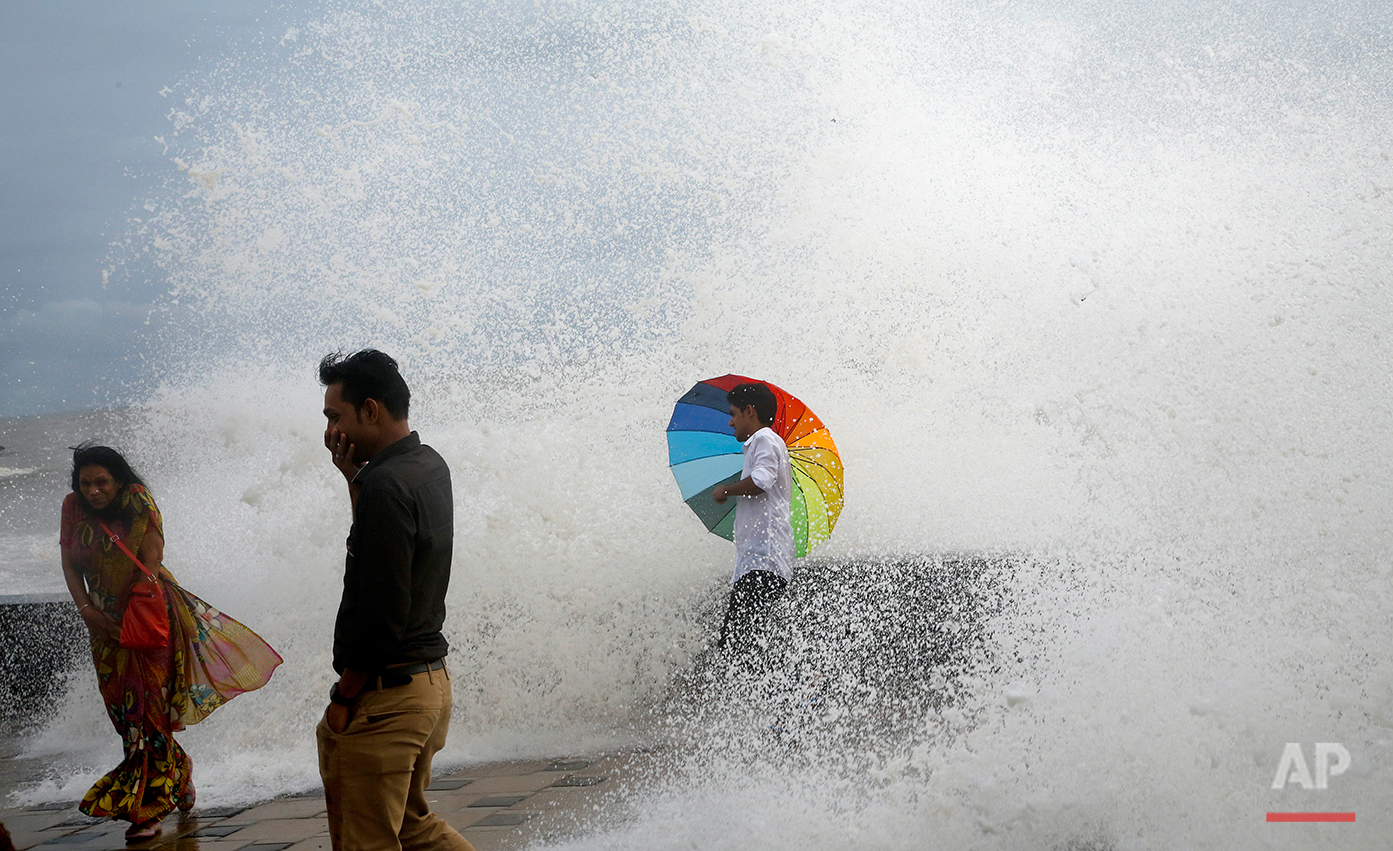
(342, 451)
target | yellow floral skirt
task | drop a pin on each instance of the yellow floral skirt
(152, 694)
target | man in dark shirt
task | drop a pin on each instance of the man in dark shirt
(389, 712)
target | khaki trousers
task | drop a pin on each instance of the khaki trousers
(376, 771)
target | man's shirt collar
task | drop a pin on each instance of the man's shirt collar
(411, 441)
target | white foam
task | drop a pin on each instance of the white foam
(1084, 286)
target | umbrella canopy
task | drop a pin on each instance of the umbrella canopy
(703, 453)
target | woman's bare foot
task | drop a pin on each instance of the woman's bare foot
(143, 831)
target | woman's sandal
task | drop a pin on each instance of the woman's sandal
(143, 831)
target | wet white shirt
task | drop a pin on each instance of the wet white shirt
(763, 530)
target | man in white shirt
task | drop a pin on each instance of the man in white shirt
(763, 531)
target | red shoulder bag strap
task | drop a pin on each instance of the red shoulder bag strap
(125, 549)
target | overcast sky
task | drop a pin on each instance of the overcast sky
(82, 106)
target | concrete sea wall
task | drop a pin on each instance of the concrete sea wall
(40, 635)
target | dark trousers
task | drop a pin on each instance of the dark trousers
(751, 598)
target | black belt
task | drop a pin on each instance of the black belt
(401, 675)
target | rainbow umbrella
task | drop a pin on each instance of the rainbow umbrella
(703, 453)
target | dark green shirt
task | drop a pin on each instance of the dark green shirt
(398, 564)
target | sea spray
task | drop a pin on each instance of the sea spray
(1100, 286)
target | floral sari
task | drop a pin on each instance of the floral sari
(152, 694)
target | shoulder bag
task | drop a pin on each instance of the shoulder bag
(145, 625)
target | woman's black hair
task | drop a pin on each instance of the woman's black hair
(87, 455)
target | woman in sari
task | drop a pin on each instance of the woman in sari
(149, 694)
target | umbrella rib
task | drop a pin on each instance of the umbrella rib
(818, 430)
(810, 462)
(703, 458)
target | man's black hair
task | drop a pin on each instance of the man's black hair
(88, 455)
(755, 393)
(365, 375)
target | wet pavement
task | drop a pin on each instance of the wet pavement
(497, 807)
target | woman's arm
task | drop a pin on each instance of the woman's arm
(98, 622)
(151, 550)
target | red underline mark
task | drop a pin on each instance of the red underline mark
(1310, 816)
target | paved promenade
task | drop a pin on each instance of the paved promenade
(498, 807)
